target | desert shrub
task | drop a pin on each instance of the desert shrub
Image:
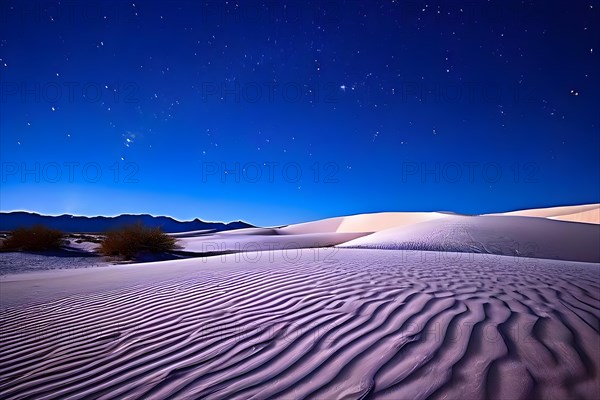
(35, 238)
(131, 241)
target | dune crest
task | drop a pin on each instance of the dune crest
(588, 213)
(358, 223)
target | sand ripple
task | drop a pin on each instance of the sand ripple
(367, 324)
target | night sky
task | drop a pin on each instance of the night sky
(314, 108)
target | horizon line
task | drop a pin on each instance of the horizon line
(329, 217)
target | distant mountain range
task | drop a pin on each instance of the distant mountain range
(71, 223)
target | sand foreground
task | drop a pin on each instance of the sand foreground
(311, 323)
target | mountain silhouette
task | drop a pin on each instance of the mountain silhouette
(72, 223)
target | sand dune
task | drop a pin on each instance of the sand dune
(588, 213)
(192, 233)
(252, 231)
(375, 222)
(260, 240)
(322, 233)
(589, 217)
(503, 235)
(358, 324)
(362, 222)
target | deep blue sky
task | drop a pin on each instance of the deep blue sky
(498, 100)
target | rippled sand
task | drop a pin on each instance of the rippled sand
(352, 323)
(18, 262)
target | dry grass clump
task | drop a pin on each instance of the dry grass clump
(35, 238)
(129, 242)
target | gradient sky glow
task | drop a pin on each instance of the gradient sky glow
(315, 108)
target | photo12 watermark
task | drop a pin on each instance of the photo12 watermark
(471, 172)
(69, 172)
(270, 172)
(69, 92)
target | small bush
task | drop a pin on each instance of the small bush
(132, 241)
(35, 238)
